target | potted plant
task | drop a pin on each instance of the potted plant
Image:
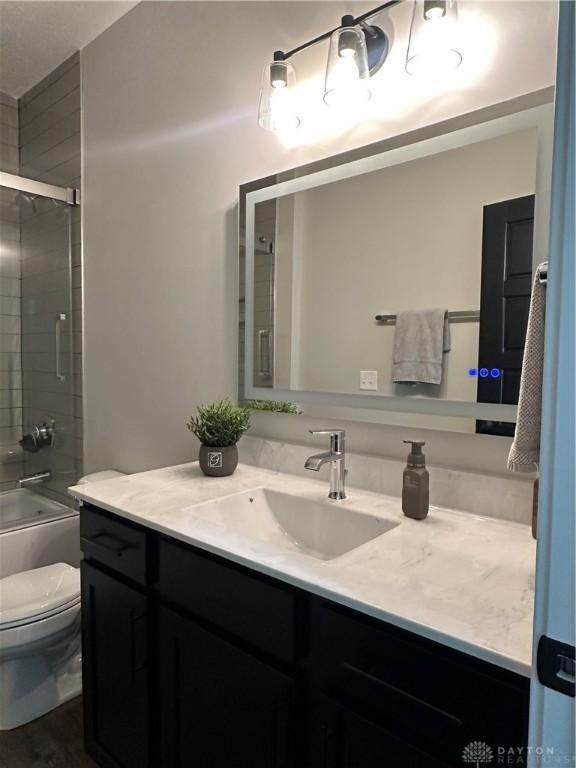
(219, 426)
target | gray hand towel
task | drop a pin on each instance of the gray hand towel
(525, 451)
(420, 340)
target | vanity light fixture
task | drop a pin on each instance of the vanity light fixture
(277, 111)
(347, 71)
(434, 9)
(433, 47)
(357, 51)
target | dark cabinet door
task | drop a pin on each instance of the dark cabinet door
(114, 653)
(220, 707)
(340, 738)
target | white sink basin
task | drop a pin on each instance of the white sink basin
(323, 529)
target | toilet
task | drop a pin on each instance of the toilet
(104, 474)
(40, 660)
(40, 644)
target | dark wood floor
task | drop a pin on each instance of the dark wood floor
(52, 741)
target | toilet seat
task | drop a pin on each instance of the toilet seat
(32, 596)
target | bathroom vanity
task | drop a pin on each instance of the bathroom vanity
(204, 645)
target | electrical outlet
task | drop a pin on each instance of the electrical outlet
(369, 380)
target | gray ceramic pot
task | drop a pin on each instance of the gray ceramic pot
(218, 462)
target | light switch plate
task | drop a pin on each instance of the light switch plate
(369, 380)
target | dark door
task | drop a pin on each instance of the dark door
(220, 707)
(341, 738)
(115, 672)
(504, 303)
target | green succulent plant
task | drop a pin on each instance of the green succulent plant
(219, 424)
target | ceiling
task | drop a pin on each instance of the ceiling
(35, 37)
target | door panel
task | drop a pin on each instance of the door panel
(552, 713)
(504, 303)
(341, 738)
(115, 670)
(220, 707)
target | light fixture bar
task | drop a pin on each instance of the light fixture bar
(356, 20)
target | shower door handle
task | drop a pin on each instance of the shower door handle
(265, 353)
(58, 345)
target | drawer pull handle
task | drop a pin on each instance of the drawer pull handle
(383, 684)
(111, 543)
(327, 746)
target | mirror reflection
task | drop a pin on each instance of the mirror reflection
(412, 280)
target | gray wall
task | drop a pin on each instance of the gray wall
(169, 132)
(50, 151)
(10, 373)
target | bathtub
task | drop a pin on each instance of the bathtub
(36, 531)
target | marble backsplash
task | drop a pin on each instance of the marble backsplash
(498, 496)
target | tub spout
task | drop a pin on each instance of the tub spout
(37, 477)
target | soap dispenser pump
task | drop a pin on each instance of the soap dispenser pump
(416, 484)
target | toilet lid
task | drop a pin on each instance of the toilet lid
(35, 594)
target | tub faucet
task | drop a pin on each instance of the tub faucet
(336, 457)
(34, 479)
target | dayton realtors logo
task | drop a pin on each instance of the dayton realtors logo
(478, 753)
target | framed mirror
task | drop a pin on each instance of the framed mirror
(393, 283)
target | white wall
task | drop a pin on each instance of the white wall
(169, 132)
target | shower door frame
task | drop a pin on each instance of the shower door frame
(32, 187)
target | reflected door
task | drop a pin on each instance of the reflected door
(507, 239)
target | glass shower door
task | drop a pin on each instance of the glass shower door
(10, 341)
(47, 346)
(37, 427)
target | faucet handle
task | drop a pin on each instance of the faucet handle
(331, 432)
(337, 437)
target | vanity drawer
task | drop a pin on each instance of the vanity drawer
(443, 697)
(229, 597)
(113, 542)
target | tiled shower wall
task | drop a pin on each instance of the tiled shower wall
(50, 146)
(10, 370)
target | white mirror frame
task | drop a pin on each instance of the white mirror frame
(530, 111)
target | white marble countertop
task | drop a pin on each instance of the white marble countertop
(457, 578)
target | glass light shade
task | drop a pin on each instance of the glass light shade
(434, 47)
(277, 108)
(347, 73)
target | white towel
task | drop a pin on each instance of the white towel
(525, 451)
(420, 340)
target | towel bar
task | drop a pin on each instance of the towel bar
(461, 316)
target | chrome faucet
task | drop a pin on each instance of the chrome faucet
(336, 457)
(37, 477)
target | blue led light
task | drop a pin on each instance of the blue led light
(483, 372)
(472, 371)
(495, 373)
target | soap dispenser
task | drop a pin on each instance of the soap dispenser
(416, 484)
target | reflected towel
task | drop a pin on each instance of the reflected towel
(525, 451)
(420, 340)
